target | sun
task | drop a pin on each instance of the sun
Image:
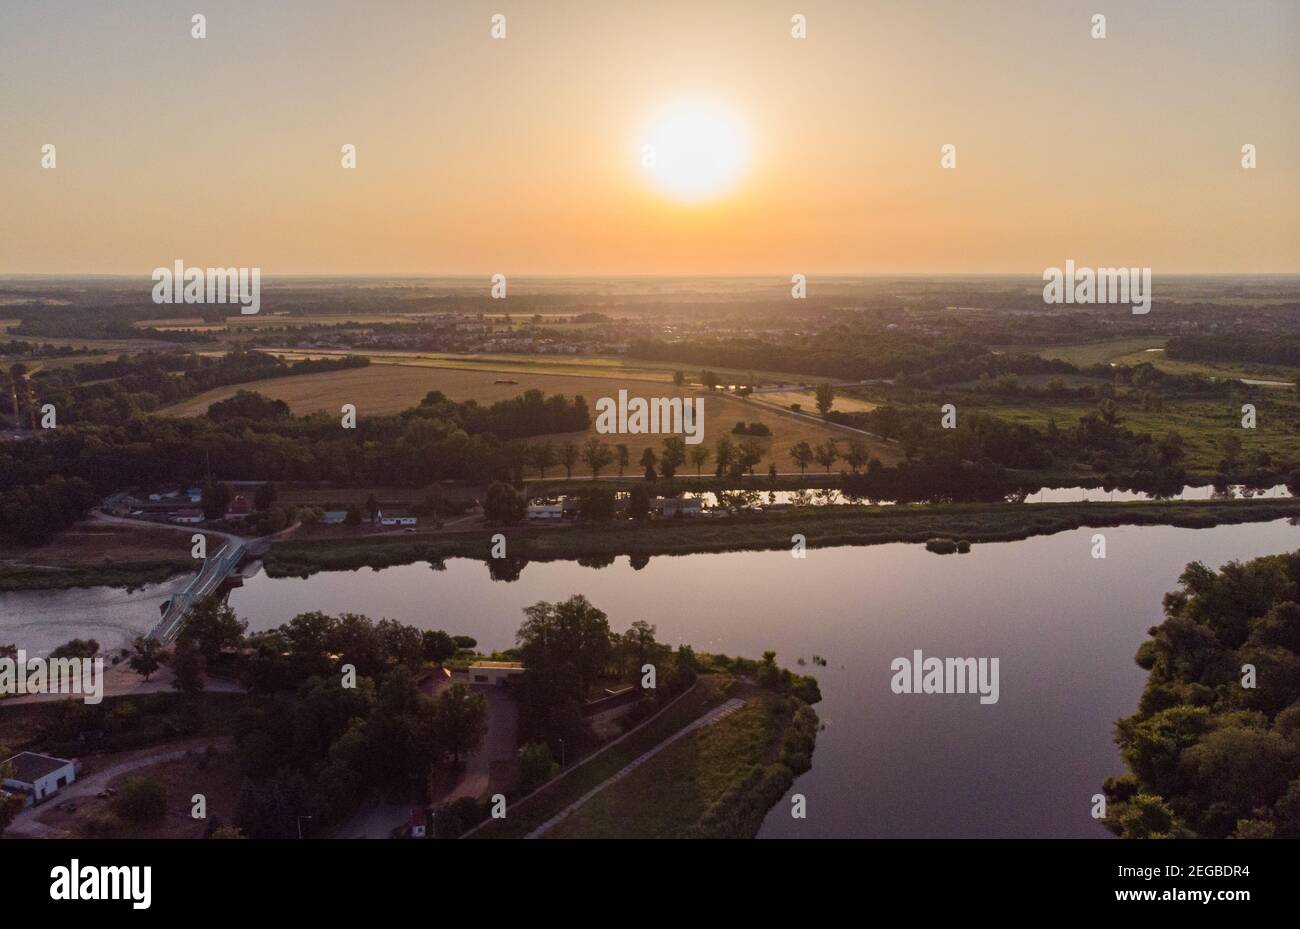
(694, 150)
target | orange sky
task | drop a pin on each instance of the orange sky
(522, 155)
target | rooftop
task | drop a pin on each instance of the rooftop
(498, 664)
(30, 767)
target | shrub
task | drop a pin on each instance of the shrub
(140, 800)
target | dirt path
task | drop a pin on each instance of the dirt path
(27, 822)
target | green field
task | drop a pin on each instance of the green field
(1203, 424)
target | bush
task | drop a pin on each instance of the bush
(141, 800)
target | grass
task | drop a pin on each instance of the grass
(807, 399)
(92, 554)
(525, 816)
(1203, 424)
(673, 790)
(1092, 353)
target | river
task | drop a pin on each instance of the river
(1063, 625)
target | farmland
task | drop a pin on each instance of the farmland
(390, 388)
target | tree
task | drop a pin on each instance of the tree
(460, 721)
(10, 804)
(648, 458)
(802, 455)
(542, 456)
(213, 626)
(141, 800)
(751, 453)
(187, 666)
(264, 497)
(699, 457)
(77, 648)
(503, 505)
(857, 455)
(673, 456)
(564, 646)
(638, 504)
(708, 379)
(216, 500)
(596, 503)
(724, 453)
(438, 646)
(825, 397)
(568, 457)
(372, 507)
(827, 454)
(679, 378)
(146, 657)
(536, 766)
(597, 455)
(353, 517)
(624, 457)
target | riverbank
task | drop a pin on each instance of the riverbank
(710, 766)
(820, 526)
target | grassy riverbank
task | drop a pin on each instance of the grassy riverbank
(719, 781)
(821, 526)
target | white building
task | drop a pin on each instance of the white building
(495, 673)
(334, 517)
(38, 776)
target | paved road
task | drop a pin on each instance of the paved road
(708, 719)
(498, 744)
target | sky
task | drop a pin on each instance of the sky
(524, 155)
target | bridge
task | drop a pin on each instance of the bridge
(216, 569)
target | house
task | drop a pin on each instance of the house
(334, 517)
(677, 506)
(395, 519)
(195, 494)
(545, 511)
(240, 506)
(187, 517)
(494, 673)
(38, 776)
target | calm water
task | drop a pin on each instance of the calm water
(1063, 625)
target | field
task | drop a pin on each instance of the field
(581, 365)
(1150, 350)
(390, 388)
(1092, 353)
(96, 554)
(1202, 424)
(807, 400)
